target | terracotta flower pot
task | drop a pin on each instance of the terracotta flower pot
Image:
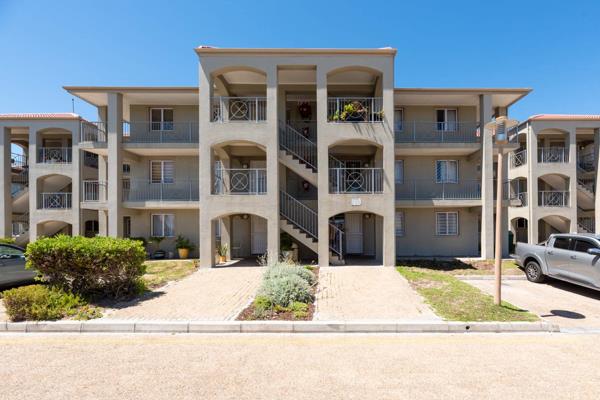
(183, 253)
(222, 259)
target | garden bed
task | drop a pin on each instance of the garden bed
(264, 309)
(457, 266)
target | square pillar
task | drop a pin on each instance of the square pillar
(572, 165)
(597, 162)
(487, 178)
(5, 184)
(115, 164)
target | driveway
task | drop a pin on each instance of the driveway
(569, 306)
(367, 293)
(208, 294)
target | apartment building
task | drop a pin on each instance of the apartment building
(318, 144)
(553, 173)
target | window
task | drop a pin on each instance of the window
(399, 119)
(562, 243)
(446, 171)
(584, 245)
(446, 223)
(126, 227)
(161, 119)
(163, 225)
(126, 169)
(162, 171)
(399, 223)
(446, 119)
(399, 171)
(92, 228)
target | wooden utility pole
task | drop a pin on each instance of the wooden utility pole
(498, 244)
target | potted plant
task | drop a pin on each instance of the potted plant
(157, 253)
(183, 246)
(286, 245)
(222, 252)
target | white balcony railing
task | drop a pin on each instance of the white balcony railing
(355, 109)
(240, 181)
(238, 109)
(437, 132)
(553, 198)
(553, 155)
(94, 191)
(518, 158)
(144, 190)
(55, 201)
(522, 196)
(55, 155)
(18, 161)
(355, 180)
(160, 132)
(429, 189)
(93, 132)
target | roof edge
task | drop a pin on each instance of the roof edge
(322, 51)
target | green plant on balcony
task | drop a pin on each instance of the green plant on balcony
(352, 112)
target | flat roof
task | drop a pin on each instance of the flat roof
(501, 97)
(149, 95)
(39, 116)
(564, 117)
(300, 51)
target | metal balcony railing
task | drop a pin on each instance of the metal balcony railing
(586, 224)
(240, 181)
(518, 158)
(522, 196)
(94, 191)
(160, 132)
(55, 155)
(553, 198)
(18, 161)
(588, 184)
(429, 189)
(55, 201)
(553, 155)
(19, 182)
(144, 190)
(355, 180)
(355, 109)
(238, 109)
(437, 132)
(94, 132)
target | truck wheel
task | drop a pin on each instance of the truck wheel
(534, 273)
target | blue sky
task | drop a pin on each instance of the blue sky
(550, 46)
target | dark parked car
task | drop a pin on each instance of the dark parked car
(12, 266)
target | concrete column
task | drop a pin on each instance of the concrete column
(597, 161)
(115, 164)
(225, 223)
(572, 166)
(5, 184)
(206, 246)
(207, 243)
(77, 165)
(272, 153)
(102, 223)
(487, 178)
(323, 171)
(504, 221)
(532, 186)
(33, 190)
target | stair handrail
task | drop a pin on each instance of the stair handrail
(590, 187)
(293, 141)
(336, 244)
(303, 216)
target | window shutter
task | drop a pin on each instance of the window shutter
(440, 223)
(452, 223)
(155, 171)
(168, 172)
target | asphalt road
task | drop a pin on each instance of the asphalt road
(462, 366)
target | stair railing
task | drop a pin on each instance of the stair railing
(295, 143)
(298, 214)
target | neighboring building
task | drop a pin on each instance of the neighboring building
(553, 173)
(317, 143)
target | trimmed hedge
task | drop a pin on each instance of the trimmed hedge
(98, 266)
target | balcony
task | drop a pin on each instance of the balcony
(553, 198)
(553, 155)
(94, 191)
(93, 132)
(436, 132)
(518, 158)
(160, 132)
(354, 109)
(522, 197)
(55, 201)
(55, 155)
(355, 180)
(240, 181)
(238, 109)
(18, 161)
(430, 189)
(138, 190)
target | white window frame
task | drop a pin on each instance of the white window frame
(446, 127)
(399, 228)
(162, 125)
(399, 127)
(445, 179)
(399, 178)
(162, 172)
(446, 231)
(163, 223)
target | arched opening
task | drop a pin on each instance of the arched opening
(553, 190)
(239, 94)
(356, 238)
(240, 238)
(355, 166)
(54, 146)
(240, 168)
(354, 94)
(519, 228)
(54, 228)
(54, 192)
(518, 191)
(552, 224)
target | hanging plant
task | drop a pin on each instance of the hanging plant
(305, 110)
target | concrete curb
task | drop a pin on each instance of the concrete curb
(490, 277)
(274, 327)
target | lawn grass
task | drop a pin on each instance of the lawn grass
(464, 267)
(160, 272)
(455, 300)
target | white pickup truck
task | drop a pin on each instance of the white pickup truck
(573, 258)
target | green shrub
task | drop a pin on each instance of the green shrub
(40, 303)
(98, 266)
(7, 240)
(262, 303)
(282, 269)
(283, 290)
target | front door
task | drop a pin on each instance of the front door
(354, 234)
(259, 235)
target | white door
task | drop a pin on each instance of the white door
(259, 235)
(354, 234)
